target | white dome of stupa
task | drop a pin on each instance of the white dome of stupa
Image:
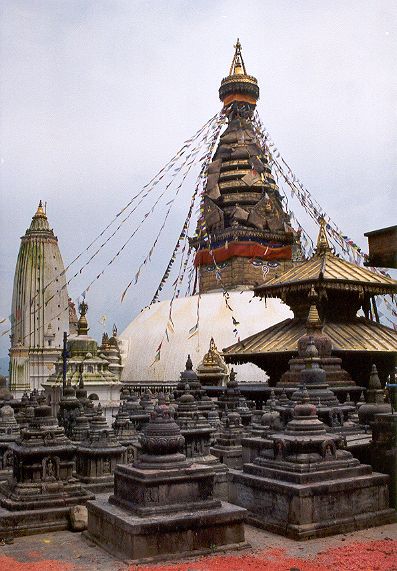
(140, 340)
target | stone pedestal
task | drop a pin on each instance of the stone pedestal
(306, 486)
(163, 506)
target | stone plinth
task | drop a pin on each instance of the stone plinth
(163, 505)
(306, 486)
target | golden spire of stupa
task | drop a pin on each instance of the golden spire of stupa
(238, 66)
(238, 85)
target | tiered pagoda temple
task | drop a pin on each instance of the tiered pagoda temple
(343, 289)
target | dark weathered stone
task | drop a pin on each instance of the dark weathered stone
(307, 486)
(163, 504)
(9, 432)
(43, 487)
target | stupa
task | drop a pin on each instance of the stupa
(40, 311)
(9, 432)
(43, 488)
(308, 486)
(251, 241)
(163, 506)
(98, 455)
(228, 447)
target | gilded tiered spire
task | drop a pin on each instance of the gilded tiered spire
(238, 85)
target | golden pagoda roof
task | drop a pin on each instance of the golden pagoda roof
(325, 267)
(358, 335)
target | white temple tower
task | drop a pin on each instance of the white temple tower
(40, 312)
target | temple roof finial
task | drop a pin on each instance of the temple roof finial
(322, 239)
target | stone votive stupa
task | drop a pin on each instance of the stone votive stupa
(163, 505)
(98, 455)
(375, 400)
(307, 486)
(43, 488)
(228, 447)
(9, 432)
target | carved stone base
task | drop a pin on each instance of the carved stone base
(336, 503)
(159, 537)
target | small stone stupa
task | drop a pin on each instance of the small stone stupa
(163, 505)
(43, 487)
(307, 486)
(228, 448)
(98, 455)
(375, 400)
(9, 432)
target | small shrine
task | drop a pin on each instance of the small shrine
(228, 447)
(98, 455)
(9, 432)
(307, 485)
(375, 400)
(163, 504)
(43, 488)
(212, 371)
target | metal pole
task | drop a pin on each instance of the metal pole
(64, 359)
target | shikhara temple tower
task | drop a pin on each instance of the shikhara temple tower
(40, 312)
(244, 236)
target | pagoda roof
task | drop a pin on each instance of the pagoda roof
(325, 267)
(358, 335)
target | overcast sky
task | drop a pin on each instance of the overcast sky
(96, 95)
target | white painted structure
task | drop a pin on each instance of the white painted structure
(140, 340)
(40, 313)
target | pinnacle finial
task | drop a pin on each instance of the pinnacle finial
(40, 210)
(82, 324)
(237, 67)
(322, 239)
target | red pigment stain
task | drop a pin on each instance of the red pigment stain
(10, 564)
(365, 556)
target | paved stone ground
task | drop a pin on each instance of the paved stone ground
(366, 550)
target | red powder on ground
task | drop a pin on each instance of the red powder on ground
(366, 556)
(10, 564)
